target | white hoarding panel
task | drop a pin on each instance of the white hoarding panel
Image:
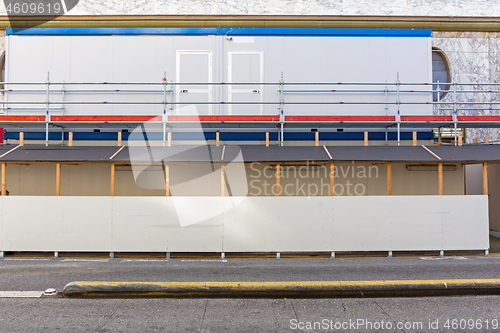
(57, 223)
(253, 224)
(279, 224)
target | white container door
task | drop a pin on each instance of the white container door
(193, 67)
(245, 67)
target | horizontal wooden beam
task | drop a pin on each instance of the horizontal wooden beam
(247, 163)
(436, 23)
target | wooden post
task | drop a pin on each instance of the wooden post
(4, 179)
(21, 138)
(316, 137)
(217, 136)
(440, 178)
(366, 138)
(222, 181)
(476, 140)
(112, 179)
(332, 179)
(278, 180)
(414, 138)
(58, 179)
(119, 139)
(267, 139)
(70, 137)
(169, 139)
(389, 178)
(487, 139)
(485, 178)
(167, 180)
(460, 138)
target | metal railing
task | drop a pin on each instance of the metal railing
(451, 104)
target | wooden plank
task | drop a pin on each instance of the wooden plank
(440, 178)
(117, 152)
(366, 138)
(460, 139)
(487, 139)
(21, 138)
(389, 179)
(476, 140)
(278, 180)
(316, 138)
(267, 139)
(58, 179)
(217, 137)
(169, 139)
(4, 179)
(167, 180)
(327, 152)
(332, 179)
(431, 152)
(10, 151)
(485, 178)
(222, 181)
(414, 138)
(112, 179)
(119, 139)
(70, 141)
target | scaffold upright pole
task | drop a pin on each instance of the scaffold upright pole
(455, 115)
(398, 116)
(47, 115)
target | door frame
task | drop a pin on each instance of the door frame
(230, 76)
(209, 90)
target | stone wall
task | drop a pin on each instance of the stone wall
(473, 57)
(475, 8)
(2, 54)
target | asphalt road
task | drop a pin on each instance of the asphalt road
(56, 314)
(251, 315)
(40, 274)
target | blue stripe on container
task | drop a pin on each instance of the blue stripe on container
(302, 32)
(224, 136)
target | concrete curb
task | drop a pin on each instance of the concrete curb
(304, 289)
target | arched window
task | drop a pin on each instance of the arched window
(2, 68)
(440, 72)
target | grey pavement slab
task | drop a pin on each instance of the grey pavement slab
(245, 315)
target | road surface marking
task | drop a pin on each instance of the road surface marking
(86, 260)
(27, 259)
(18, 294)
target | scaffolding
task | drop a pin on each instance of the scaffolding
(452, 111)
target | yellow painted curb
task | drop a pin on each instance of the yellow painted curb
(299, 289)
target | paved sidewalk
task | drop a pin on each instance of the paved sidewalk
(246, 315)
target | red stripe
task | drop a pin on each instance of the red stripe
(339, 118)
(427, 119)
(223, 118)
(106, 118)
(22, 118)
(479, 118)
(274, 118)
